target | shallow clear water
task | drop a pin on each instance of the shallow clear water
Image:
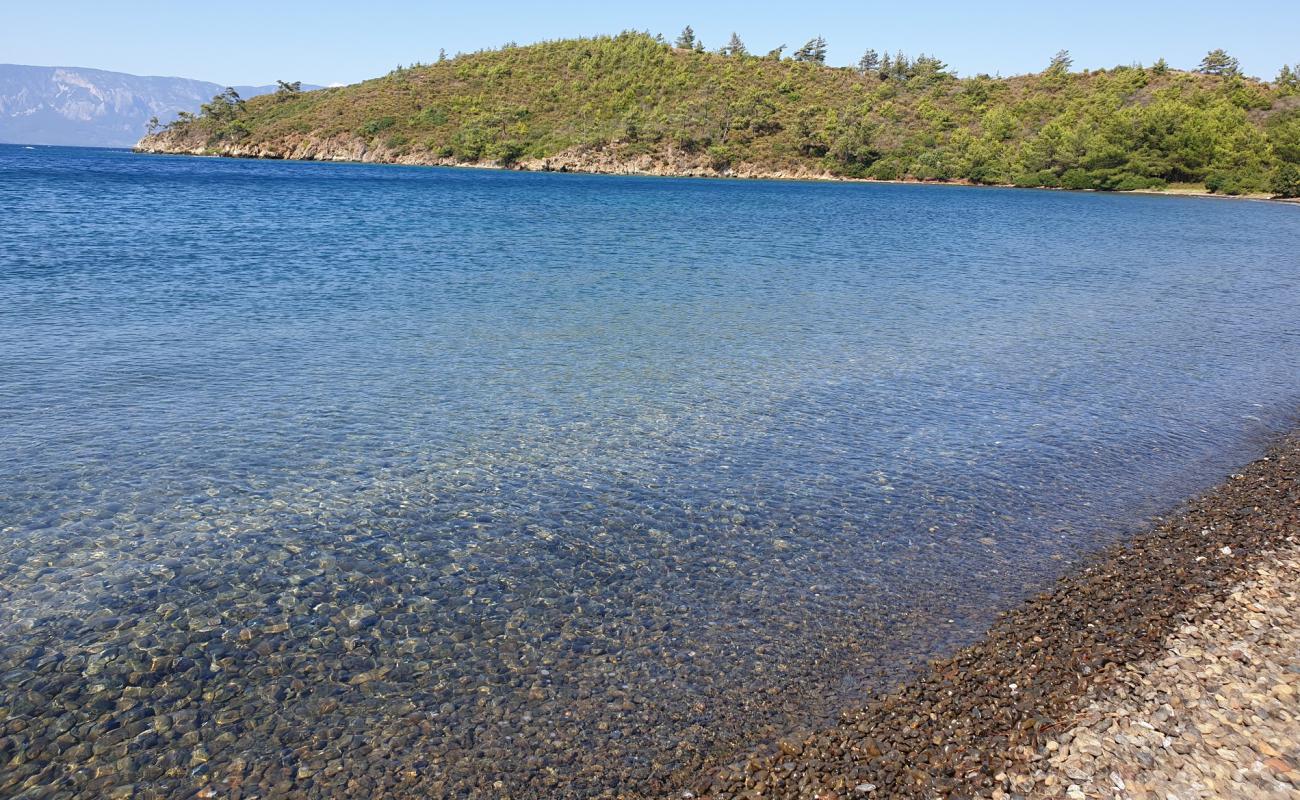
(337, 477)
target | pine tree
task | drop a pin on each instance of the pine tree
(735, 47)
(687, 40)
(902, 66)
(775, 53)
(1288, 78)
(1061, 63)
(1286, 180)
(442, 54)
(929, 65)
(814, 50)
(1160, 67)
(870, 62)
(225, 106)
(1218, 62)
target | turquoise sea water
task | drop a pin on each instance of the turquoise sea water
(331, 478)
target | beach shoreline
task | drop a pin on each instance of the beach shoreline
(977, 723)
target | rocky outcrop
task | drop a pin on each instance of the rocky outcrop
(610, 160)
(179, 141)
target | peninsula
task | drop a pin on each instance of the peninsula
(637, 104)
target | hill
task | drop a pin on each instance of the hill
(93, 107)
(631, 103)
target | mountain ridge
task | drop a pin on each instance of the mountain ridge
(86, 106)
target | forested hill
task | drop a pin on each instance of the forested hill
(632, 103)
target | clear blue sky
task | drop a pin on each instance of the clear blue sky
(331, 41)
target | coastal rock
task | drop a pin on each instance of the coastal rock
(351, 148)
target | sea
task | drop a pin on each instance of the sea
(325, 480)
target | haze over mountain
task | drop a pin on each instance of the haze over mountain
(92, 107)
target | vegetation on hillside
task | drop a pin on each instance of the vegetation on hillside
(892, 117)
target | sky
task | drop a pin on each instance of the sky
(344, 41)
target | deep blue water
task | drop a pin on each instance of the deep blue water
(510, 472)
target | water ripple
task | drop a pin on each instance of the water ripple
(327, 477)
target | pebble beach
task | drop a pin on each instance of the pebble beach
(1168, 667)
(1214, 715)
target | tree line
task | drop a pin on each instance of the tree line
(1216, 62)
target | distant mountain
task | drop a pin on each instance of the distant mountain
(92, 107)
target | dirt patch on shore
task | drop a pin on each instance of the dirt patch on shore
(986, 713)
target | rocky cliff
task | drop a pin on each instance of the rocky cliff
(600, 160)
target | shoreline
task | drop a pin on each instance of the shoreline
(1212, 716)
(645, 166)
(984, 721)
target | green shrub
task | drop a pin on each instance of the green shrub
(507, 153)
(689, 141)
(1133, 183)
(1284, 135)
(887, 169)
(375, 126)
(1034, 179)
(1285, 181)
(430, 117)
(932, 166)
(235, 130)
(720, 157)
(472, 142)
(1233, 182)
(1077, 179)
